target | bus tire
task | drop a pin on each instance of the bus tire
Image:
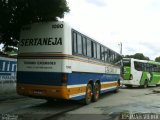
(116, 90)
(96, 92)
(118, 86)
(145, 84)
(89, 93)
(119, 83)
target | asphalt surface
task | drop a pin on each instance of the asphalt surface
(127, 102)
(111, 106)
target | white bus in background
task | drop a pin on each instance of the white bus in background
(140, 72)
(58, 62)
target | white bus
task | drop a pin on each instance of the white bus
(140, 72)
(56, 61)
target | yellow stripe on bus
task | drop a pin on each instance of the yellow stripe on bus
(58, 92)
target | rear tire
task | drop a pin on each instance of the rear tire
(96, 93)
(145, 84)
(118, 86)
(89, 92)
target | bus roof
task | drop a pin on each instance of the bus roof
(154, 63)
(145, 61)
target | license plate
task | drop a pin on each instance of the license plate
(37, 91)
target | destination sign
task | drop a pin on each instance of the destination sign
(41, 41)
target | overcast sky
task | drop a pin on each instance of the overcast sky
(135, 23)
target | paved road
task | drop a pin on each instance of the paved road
(114, 106)
(33, 109)
(109, 107)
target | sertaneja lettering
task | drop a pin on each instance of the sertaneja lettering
(41, 41)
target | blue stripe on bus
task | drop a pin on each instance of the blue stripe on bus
(50, 78)
(83, 78)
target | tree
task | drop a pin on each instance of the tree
(157, 59)
(139, 56)
(16, 13)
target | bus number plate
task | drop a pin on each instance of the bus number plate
(37, 91)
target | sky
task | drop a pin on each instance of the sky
(134, 23)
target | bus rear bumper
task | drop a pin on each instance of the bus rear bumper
(130, 82)
(43, 91)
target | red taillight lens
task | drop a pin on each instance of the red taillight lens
(131, 77)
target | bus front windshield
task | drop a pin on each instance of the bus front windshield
(126, 63)
(138, 66)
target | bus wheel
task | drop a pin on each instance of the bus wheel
(96, 93)
(89, 92)
(118, 86)
(145, 84)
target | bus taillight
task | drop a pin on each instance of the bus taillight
(131, 77)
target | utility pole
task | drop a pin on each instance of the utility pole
(120, 47)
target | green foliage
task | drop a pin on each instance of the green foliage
(157, 59)
(139, 56)
(15, 13)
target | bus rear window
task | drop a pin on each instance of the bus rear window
(126, 63)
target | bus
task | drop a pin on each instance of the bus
(142, 73)
(58, 62)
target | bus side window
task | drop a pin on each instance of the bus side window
(79, 43)
(117, 58)
(102, 53)
(98, 51)
(84, 46)
(154, 68)
(74, 41)
(89, 52)
(94, 50)
(109, 56)
(113, 57)
(144, 67)
(147, 67)
(106, 54)
(158, 67)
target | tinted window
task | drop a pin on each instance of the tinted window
(79, 43)
(98, 51)
(102, 53)
(84, 46)
(74, 37)
(87, 47)
(94, 50)
(109, 56)
(113, 57)
(89, 53)
(138, 66)
(126, 63)
(106, 54)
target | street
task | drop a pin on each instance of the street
(109, 107)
